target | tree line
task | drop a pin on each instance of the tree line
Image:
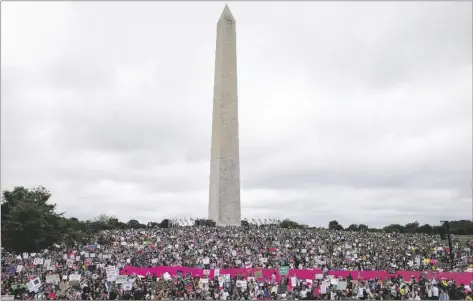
(460, 227)
(30, 223)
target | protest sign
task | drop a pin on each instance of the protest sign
(342, 285)
(120, 279)
(283, 270)
(38, 261)
(127, 286)
(111, 272)
(54, 279)
(74, 279)
(34, 285)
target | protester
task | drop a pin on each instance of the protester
(268, 263)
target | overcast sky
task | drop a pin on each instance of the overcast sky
(359, 112)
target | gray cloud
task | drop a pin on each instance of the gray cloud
(359, 112)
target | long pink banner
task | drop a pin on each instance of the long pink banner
(461, 277)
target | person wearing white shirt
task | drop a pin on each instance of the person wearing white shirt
(333, 294)
(435, 292)
(260, 292)
(303, 293)
(429, 291)
(360, 293)
(224, 295)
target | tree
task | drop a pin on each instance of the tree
(134, 224)
(334, 225)
(461, 227)
(412, 227)
(152, 225)
(164, 224)
(363, 228)
(353, 228)
(427, 229)
(394, 228)
(103, 222)
(103, 219)
(288, 224)
(114, 222)
(74, 231)
(29, 222)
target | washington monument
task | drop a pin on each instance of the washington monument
(224, 192)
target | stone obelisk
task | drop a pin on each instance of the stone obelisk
(224, 192)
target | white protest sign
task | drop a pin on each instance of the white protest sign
(241, 284)
(127, 286)
(342, 285)
(38, 261)
(293, 281)
(121, 279)
(34, 285)
(111, 272)
(74, 278)
(203, 282)
(54, 279)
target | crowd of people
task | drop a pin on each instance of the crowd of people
(100, 268)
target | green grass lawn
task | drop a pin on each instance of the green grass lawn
(463, 238)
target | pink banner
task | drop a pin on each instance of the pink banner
(158, 271)
(461, 278)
